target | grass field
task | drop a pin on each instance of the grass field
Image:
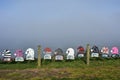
(99, 69)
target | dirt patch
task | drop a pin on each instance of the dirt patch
(98, 73)
(31, 73)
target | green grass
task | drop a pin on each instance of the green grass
(18, 65)
(99, 69)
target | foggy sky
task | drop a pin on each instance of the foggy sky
(59, 23)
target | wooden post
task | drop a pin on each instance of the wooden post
(88, 54)
(39, 56)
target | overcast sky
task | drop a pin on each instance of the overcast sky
(59, 23)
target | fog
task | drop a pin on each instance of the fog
(64, 23)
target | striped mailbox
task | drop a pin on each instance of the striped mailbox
(7, 56)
